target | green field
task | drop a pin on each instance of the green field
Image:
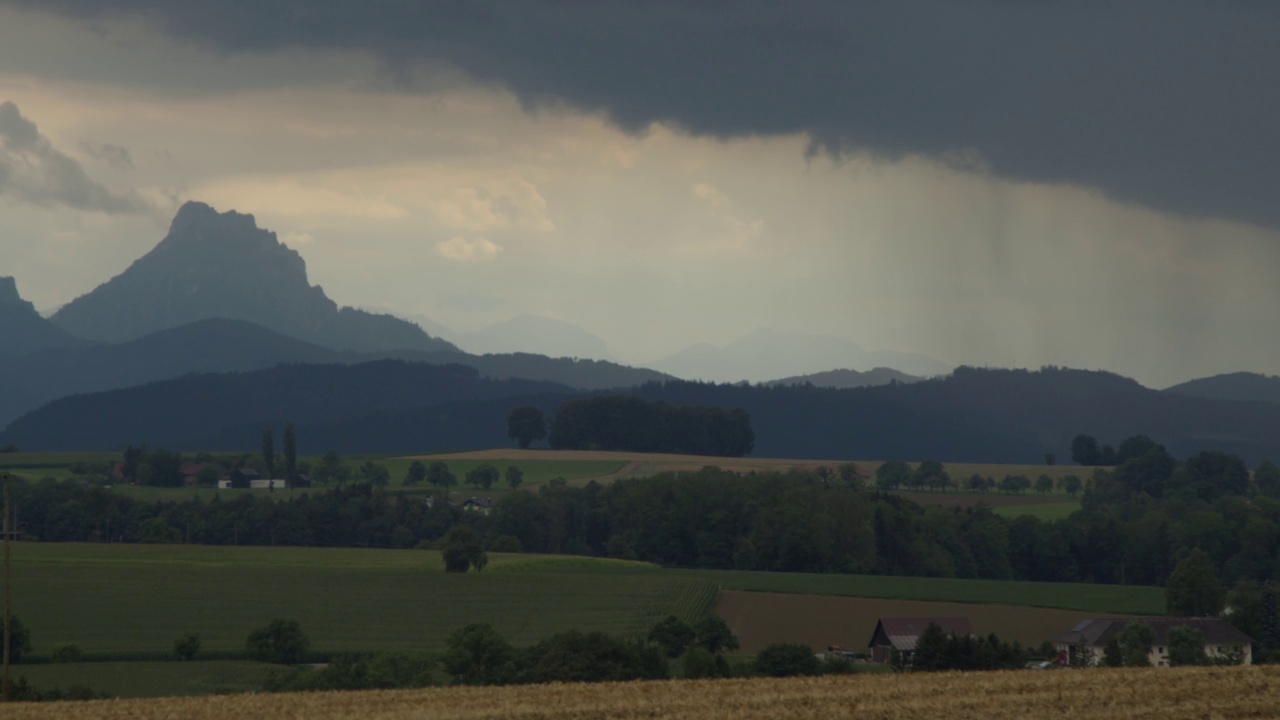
(151, 679)
(1121, 599)
(130, 602)
(36, 466)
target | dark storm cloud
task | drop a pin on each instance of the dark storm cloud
(33, 171)
(1168, 103)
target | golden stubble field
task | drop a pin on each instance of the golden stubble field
(1169, 694)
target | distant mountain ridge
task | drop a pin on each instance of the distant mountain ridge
(222, 265)
(23, 330)
(845, 378)
(1232, 386)
(765, 354)
(972, 415)
(534, 334)
(221, 345)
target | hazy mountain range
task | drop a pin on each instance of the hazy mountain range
(217, 331)
(845, 378)
(765, 354)
(972, 415)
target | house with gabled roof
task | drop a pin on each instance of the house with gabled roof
(1089, 638)
(902, 633)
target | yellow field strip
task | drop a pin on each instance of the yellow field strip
(1122, 694)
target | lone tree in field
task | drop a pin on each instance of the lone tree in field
(515, 476)
(526, 424)
(463, 548)
(1194, 589)
(483, 476)
(281, 641)
(892, 475)
(439, 476)
(417, 473)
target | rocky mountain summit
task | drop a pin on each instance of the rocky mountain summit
(22, 330)
(222, 265)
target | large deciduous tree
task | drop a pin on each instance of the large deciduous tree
(281, 641)
(416, 474)
(526, 424)
(1084, 450)
(1193, 588)
(463, 548)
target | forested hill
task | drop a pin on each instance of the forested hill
(1232, 386)
(219, 345)
(973, 415)
(197, 410)
(984, 415)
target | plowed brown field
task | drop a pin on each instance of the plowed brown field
(760, 618)
(1122, 694)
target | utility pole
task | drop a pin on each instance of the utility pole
(8, 628)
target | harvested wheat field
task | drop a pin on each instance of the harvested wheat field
(1170, 694)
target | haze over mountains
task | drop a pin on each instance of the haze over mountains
(972, 415)
(765, 354)
(221, 317)
(534, 334)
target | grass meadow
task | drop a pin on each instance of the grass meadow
(1119, 599)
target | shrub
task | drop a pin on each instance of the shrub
(186, 646)
(786, 660)
(68, 653)
(281, 641)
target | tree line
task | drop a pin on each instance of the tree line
(625, 422)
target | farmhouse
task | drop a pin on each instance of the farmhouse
(482, 505)
(901, 634)
(1089, 638)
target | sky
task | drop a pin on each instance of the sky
(1088, 184)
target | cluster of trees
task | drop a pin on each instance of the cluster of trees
(163, 468)
(625, 422)
(939, 650)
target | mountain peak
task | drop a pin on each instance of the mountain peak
(9, 293)
(222, 265)
(22, 330)
(195, 215)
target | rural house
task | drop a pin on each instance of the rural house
(901, 633)
(1221, 639)
(483, 505)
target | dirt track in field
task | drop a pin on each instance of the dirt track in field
(759, 618)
